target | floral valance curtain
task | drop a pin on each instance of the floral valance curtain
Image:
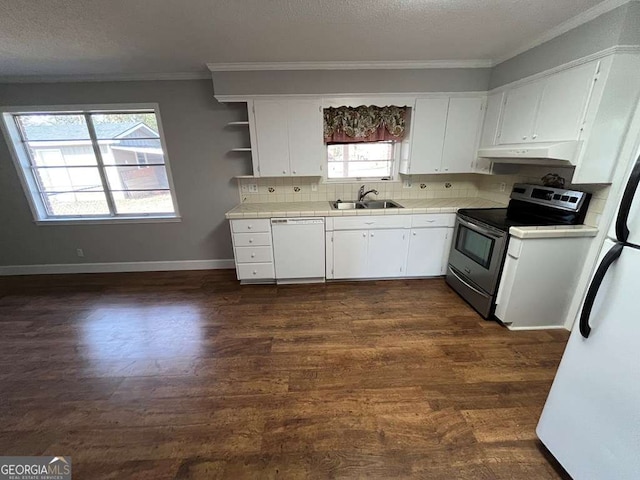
(364, 124)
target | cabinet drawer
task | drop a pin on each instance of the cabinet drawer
(253, 225)
(371, 222)
(253, 254)
(251, 239)
(248, 271)
(433, 220)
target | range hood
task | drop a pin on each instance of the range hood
(552, 153)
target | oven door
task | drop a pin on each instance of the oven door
(477, 253)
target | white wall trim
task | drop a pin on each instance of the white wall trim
(116, 267)
(116, 77)
(355, 65)
(617, 49)
(564, 27)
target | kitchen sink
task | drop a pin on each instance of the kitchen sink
(346, 205)
(376, 204)
(372, 204)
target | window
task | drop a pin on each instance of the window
(92, 164)
(361, 160)
(362, 141)
(141, 159)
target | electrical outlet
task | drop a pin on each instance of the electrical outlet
(503, 187)
(253, 188)
(407, 183)
(244, 188)
(79, 252)
(314, 187)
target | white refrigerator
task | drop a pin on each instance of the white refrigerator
(591, 420)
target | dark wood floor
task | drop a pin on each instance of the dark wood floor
(188, 375)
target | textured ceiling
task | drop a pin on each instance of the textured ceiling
(91, 37)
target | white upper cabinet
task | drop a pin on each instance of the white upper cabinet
(444, 135)
(288, 137)
(489, 135)
(271, 152)
(550, 109)
(306, 145)
(563, 104)
(461, 136)
(518, 118)
(427, 129)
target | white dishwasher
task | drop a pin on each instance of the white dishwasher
(298, 249)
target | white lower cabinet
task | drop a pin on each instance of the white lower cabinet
(252, 249)
(369, 253)
(356, 247)
(388, 246)
(428, 251)
(350, 254)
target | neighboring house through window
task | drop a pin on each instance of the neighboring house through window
(86, 164)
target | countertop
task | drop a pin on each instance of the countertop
(554, 231)
(323, 209)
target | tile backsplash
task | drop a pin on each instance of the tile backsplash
(491, 187)
(303, 189)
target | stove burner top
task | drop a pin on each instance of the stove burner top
(502, 219)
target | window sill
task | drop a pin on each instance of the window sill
(107, 221)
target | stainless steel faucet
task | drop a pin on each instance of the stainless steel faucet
(362, 193)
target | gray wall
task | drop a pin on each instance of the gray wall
(203, 171)
(351, 81)
(620, 26)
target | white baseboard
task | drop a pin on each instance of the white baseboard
(116, 267)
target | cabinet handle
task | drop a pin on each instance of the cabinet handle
(248, 227)
(364, 234)
(255, 272)
(524, 138)
(436, 170)
(253, 255)
(414, 234)
(446, 169)
(251, 240)
(294, 172)
(284, 171)
(372, 234)
(535, 135)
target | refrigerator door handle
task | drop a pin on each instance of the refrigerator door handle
(611, 256)
(622, 230)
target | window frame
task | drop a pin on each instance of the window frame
(22, 163)
(395, 167)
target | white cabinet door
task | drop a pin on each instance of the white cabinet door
(387, 253)
(563, 104)
(491, 119)
(461, 137)
(350, 254)
(427, 252)
(520, 113)
(306, 145)
(272, 137)
(427, 135)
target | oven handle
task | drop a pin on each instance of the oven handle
(479, 292)
(479, 229)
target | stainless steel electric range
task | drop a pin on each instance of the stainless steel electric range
(481, 236)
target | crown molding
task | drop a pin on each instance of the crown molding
(564, 27)
(118, 77)
(607, 52)
(393, 65)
